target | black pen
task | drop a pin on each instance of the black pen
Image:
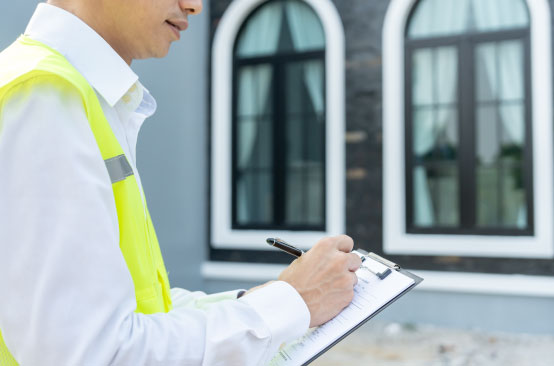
(292, 250)
(284, 246)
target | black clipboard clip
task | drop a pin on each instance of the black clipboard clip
(381, 274)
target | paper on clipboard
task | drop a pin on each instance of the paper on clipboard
(371, 294)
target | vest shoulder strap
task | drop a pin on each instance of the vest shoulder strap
(26, 59)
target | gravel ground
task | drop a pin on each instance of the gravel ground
(394, 344)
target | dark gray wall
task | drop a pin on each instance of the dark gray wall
(172, 154)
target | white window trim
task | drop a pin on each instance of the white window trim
(395, 238)
(222, 234)
(457, 282)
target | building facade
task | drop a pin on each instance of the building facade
(441, 143)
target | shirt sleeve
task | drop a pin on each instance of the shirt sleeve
(67, 295)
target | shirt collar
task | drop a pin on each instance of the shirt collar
(85, 49)
(137, 100)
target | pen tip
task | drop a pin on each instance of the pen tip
(270, 241)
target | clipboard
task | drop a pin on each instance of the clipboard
(281, 357)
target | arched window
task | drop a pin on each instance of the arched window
(277, 165)
(468, 120)
(467, 128)
(279, 119)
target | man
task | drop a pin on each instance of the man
(82, 281)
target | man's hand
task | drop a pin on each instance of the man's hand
(324, 277)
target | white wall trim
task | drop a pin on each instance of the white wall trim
(395, 239)
(222, 236)
(454, 282)
(485, 283)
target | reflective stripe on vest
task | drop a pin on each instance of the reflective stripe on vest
(30, 61)
(118, 168)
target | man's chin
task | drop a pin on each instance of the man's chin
(161, 55)
(163, 52)
(159, 52)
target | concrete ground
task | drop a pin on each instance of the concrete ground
(378, 344)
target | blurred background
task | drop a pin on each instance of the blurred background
(421, 128)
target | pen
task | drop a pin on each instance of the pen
(292, 250)
(284, 246)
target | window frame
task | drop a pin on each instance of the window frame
(396, 240)
(278, 63)
(222, 234)
(466, 45)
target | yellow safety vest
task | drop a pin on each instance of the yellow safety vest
(26, 61)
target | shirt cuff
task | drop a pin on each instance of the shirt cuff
(282, 309)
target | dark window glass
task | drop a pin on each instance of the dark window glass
(279, 119)
(468, 161)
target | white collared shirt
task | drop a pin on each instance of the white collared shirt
(66, 295)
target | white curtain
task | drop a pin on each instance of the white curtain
(487, 148)
(424, 214)
(501, 74)
(437, 74)
(510, 57)
(507, 86)
(424, 137)
(261, 36)
(439, 17)
(305, 195)
(512, 88)
(487, 135)
(305, 26)
(512, 117)
(446, 63)
(254, 87)
(436, 83)
(447, 17)
(313, 79)
(486, 76)
(498, 14)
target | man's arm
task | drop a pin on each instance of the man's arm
(68, 297)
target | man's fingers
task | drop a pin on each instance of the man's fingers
(345, 243)
(354, 262)
(354, 279)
